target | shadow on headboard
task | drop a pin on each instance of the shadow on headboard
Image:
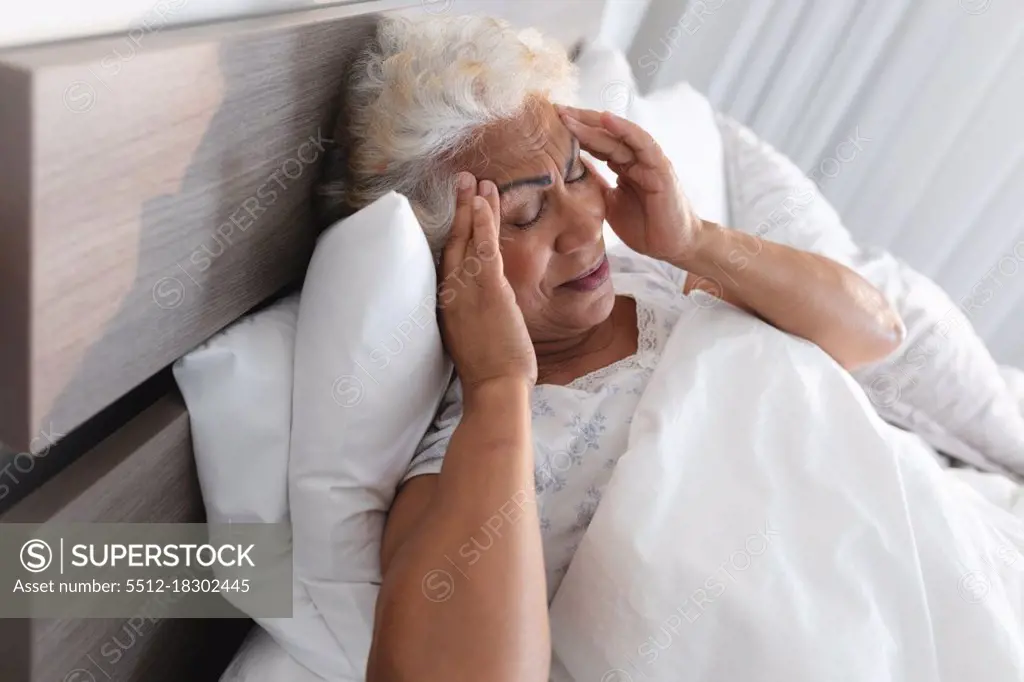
(167, 202)
(158, 223)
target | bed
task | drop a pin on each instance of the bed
(156, 188)
(137, 223)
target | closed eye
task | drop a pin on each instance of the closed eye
(533, 221)
(579, 177)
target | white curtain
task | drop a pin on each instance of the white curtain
(908, 113)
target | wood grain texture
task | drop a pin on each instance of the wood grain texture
(144, 473)
(157, 186)
(170, 185)
(15, 239)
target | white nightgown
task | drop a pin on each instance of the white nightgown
(580, 430)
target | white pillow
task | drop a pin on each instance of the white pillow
(238, 387)
(678, 117)
(942, 383)
(238, 391)
(1015, 382)
(370, 371)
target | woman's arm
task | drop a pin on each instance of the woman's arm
(450, 608)
(797, 291)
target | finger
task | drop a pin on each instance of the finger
(489, 191)
(645, 147)
(590, 117)
(485, 259)
(462, 223)
(600, 142)
(639, 140)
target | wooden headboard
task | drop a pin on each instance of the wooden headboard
(152, 191)
(148, 202)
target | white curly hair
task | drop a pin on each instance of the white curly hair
(421, 92)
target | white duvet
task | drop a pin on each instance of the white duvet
(765, 524)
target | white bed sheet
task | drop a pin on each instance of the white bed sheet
(261, 659)
(1015, 380)
(765, 523)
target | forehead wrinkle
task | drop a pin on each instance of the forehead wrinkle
(537, 138)
(518, 143)
(525, 139)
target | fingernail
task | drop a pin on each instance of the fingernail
(486, 187)
(480, 204)
(465, 181)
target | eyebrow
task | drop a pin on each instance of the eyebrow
(543, 180)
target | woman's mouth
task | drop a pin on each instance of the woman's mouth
(592, 278)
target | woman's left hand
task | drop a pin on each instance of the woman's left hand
(801, 293)
(646, 208)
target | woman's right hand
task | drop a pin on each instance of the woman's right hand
(482, 327)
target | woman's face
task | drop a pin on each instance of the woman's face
(552, 213)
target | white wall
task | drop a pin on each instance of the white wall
(621, 21)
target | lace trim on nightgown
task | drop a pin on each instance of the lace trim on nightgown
(647, 344)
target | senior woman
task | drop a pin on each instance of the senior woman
(553, 340)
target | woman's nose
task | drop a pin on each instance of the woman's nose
(582, 220)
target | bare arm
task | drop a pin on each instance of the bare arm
(798, 292)
(449, 608)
